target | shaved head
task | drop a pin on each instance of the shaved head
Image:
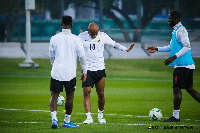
(93, 29)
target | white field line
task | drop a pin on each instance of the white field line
(122, 79)
(128, 124)
(83, 113)
(21, 122)
(148, 116)
(25, 110)
(135, 124)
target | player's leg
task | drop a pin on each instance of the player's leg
(101, 99)
(69, 88)
(87, 85)
(53, 101)
(177, 98)
(69, 102)
(87, 104)
(68, 108)
(100, 92)
(177, 103)
(86, 99)
(55, 88)
(53, 108)
(195, 94)
(177, 81)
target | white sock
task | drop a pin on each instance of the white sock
(53, 114)
(100, 113)
(176, 113)
(89, 115)
(67, 118)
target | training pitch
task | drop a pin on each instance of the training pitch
(133, 88)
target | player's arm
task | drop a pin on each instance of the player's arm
(113, 44)
(84, 68)
(52, 50)
(82, 59)
(182, 36)
(159, 49)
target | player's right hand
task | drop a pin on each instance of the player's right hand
(83, 77)
(151, 49)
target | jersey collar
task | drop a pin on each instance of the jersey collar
(177, 25)
(67, 31)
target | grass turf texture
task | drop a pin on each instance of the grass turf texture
(133, 87)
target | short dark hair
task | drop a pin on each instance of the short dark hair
(176, 14)
(66, 20)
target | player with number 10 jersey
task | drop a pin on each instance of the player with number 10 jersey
(93, 43)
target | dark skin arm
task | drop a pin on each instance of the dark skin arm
(167, 61)
(152, 49)
(130, 47)
(83, 77)
(170, 60)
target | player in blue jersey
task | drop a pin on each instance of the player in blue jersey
(181, 59)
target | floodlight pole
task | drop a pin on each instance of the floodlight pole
(29, 5)
(101, 14)
(28, 37)
(139, 5)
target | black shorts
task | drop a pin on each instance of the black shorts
(183, 77)
(93, 77)
(57, 86)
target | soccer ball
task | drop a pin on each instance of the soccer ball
(60, 100)
(155, 114)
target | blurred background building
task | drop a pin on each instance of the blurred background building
(142, 21)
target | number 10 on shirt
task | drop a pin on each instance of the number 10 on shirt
(92, 46)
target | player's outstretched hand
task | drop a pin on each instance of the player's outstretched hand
(152, 49)
(83, 77)
(130, 47)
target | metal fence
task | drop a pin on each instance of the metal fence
(147, 35)
(157, 38)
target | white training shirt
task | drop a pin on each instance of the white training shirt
(94, 49)
(182, 36)
(63, 50)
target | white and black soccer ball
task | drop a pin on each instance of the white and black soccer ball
(155, 114)
(60, 100)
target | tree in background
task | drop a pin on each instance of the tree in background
(10, 10)
(150, 9)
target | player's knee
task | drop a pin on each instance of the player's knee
(176, 90)
(100, 94)
(86, 92)
(69, 98)
(54, 95)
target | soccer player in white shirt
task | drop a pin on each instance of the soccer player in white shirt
(93, 42)
(63, 50)
(181, 59)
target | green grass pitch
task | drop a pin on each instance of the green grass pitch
(133, 87)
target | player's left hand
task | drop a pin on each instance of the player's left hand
(170, 60)
(130, 47)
